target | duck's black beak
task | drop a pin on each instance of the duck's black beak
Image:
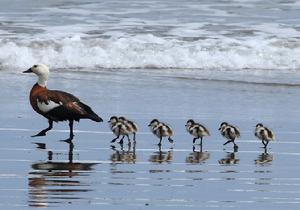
(28, 71)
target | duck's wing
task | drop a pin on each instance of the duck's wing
(63, 105)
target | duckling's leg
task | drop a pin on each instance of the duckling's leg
(134, 137)
(129, 142)
(227, 142)
(43, 132)
(121, 141)
(201, 141)
(201, 148)
(194, 140)
(112, 141)
(170, 140)
(160, 134)
(160, 139)
(266, 143)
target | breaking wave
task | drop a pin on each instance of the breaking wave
(149, 51)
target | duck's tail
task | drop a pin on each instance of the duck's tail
(90, 114)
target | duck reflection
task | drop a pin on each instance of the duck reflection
(264, 158)
(122, 156)
(57, 182)
(230, 159)
(197, 156)
(162, 156)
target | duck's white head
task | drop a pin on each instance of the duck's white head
(42, 71)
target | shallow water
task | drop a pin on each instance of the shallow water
(45, 172)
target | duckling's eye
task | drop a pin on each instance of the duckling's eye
(34, 66)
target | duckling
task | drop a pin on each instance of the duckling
(264, 134)
(161, 130)
(119, 129)
(196, 129)
(230, 132)
(132, 126)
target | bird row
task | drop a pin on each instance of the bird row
(122, 126)
(58, 106)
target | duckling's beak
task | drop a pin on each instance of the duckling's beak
(28, 71)
(108, 121)
(149, 125)
(219, 128)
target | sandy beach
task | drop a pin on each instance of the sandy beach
(45, 172)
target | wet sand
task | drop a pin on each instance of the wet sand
(91, 172)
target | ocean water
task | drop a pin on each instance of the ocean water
(243, 40)
(213, 61)
(92, 173)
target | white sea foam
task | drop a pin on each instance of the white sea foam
(194, 37)
(149, 51)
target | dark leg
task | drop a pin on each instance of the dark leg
(160, 132)
(159, 144)
(194, 140)
(227, 142)
(134, 137)
(121, 141)
(43, 132)
(201, 141)
(71, 148)
(170, 140)
(71, 136)
(128, 138)
(71, 129)
(112, 141)
(266, 144)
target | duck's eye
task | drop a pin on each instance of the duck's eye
(34, 66)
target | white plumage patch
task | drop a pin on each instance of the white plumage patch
(47, 107)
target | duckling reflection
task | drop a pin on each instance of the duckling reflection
(162, 156)
(122, 156)
(51, 183)
(197, 157)
(229, 159)
(264, 158)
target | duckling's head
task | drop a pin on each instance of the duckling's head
(122, 119)
(259, 125)
(190, 122)
(153, 123)
(42, 71)
(113, 120)
(223, 124)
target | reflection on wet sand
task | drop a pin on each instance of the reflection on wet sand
(229, 159)
(53, 183)
(162, 156)
(264, 158)
(197, 157)
(122, 156)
